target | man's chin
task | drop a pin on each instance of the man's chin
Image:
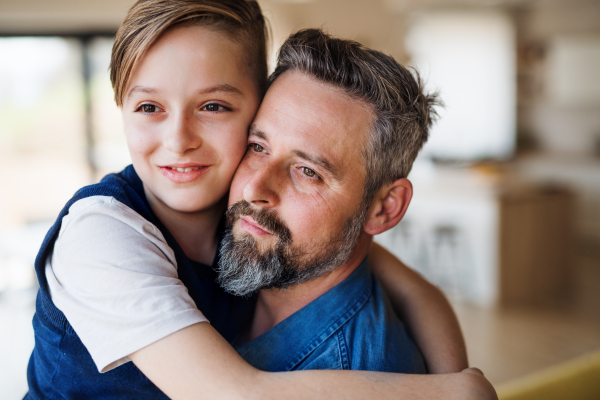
(243, 269)
(262, 245)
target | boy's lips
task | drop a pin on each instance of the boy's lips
(183, 173)
(249, 225)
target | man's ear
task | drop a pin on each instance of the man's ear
(388, 206)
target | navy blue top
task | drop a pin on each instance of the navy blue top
(60, 366)
(352, 326)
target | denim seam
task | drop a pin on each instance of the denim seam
(330, 330)
(343, 346)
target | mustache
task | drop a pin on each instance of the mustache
(265, 218)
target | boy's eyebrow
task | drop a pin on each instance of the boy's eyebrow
(213, 89)
(222, 88)
(141, 89)
(315, 159)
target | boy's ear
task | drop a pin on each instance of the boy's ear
(388, 206)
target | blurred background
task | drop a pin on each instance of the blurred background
(506, 212)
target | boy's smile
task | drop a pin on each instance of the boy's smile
(186, 115)
(182, 173)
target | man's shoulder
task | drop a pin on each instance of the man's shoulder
(372, 339)
(378, 340)
(352, 326)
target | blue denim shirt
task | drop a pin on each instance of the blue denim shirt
(352, 326)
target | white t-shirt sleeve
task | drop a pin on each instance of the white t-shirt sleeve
(115, 278)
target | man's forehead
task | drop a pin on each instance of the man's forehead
(311, 107)
(316, 120)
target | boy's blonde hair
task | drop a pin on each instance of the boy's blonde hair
(242, 21)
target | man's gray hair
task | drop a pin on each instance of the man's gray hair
(403, 114)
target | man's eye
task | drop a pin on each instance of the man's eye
(215, 107)
(309, 172)
(257, 147)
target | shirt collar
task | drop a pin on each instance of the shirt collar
(285, 345)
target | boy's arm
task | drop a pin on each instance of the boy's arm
(424, 309)
(197, 363)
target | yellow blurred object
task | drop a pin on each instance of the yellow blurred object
(578, 379)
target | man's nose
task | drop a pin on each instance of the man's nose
(264, 185)
(183, 133)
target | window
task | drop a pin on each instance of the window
(59, 130)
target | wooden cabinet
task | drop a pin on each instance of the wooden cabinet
(535, 246)
(487, 243)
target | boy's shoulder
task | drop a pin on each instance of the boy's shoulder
(124, 187)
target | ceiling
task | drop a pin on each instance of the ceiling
(61, 16)
(86, 16)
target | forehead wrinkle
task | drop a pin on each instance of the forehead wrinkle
(314, 103)
(302, 111)
(362, 103)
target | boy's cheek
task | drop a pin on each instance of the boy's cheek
(139, 139)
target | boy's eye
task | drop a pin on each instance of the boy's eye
(309, 172)
(148, 108)
(214, 107)
(257, 147)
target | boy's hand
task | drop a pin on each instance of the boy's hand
(482, 388)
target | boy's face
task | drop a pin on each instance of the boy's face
(186, 115)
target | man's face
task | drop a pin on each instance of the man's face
(297, 194)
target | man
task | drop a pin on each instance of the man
(314, 186)
(325, 170)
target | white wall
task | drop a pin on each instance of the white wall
(563, 115)
(469, 57)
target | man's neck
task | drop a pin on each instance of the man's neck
(275, 305)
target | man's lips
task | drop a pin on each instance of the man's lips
(251, 226)
(183, 173)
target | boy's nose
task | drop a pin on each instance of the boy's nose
(183, 135)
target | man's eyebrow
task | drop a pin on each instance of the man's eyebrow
(224, 88)
(254, 131)
(320, 161)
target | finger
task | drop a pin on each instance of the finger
(473, 370)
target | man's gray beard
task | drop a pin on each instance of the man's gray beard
(244, 269)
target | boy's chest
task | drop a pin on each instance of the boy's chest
(228, 314)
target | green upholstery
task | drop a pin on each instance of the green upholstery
(578, 379)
